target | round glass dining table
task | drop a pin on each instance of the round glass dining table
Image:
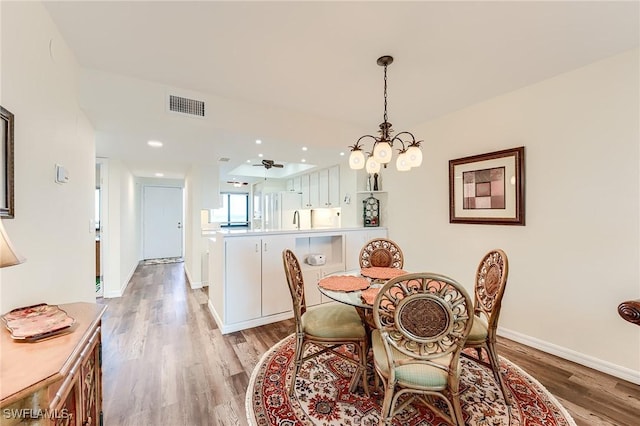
(353, 298)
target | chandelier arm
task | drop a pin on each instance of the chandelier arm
(358, 145)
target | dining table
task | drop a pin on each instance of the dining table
(358, 288)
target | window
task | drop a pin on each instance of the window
(234, 210)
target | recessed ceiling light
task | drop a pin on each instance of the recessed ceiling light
(303, 160)
(155, 144)
(342, 154)
(258, 141)
(248, 161)
(304, 148)
(260, 155)
(159, 174)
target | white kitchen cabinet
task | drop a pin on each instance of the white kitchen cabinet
(314, 190)
(243, 301)
(247, 283)
(355, 240)
(309, 188)
(329, 187)
(297, 184)
(254, 268)
(276, 297)
(323, 188)
(334, 186)
(311, 277)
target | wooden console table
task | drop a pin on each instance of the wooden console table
(56, 381)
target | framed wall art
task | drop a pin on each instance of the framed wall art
(488, 188)
(6, 164)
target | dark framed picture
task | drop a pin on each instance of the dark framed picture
(488, 188)
(6, 164)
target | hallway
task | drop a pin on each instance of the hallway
(165, 361)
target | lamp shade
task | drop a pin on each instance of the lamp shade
(402, 162)
(414, 153)
(382, 152)
(356, 159)
(372, 165)
(8, 256)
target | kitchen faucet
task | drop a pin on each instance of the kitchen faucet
(296, 218)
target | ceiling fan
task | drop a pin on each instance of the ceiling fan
(267, 164)
(237, 184)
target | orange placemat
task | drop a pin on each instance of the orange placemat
(344, 283)
(382, 273)
(369, 295)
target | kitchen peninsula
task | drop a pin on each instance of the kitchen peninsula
(247, 285)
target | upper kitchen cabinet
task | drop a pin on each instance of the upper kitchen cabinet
(329, 187)
(319, 189)
(309, 188)
(294, 184)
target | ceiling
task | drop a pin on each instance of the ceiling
(296, 74)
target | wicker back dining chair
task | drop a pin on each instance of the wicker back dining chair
(422, 321)
(327, 326)
(381, 252)
(491, 281)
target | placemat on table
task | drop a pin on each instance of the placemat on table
(381, 273)
(344, 283)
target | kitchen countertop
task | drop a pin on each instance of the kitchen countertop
(250, 232)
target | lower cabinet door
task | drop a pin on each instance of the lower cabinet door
(276, 297)
(242, 293)
(312, 295)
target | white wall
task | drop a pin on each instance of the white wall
(578, 256)
(121, 234)
(52, 225)
(201, 193)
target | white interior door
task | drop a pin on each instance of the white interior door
(162, 222)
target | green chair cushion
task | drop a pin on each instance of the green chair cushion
(410, 375)
(478, 333)
(333, 321)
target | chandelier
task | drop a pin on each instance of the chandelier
(410, 154)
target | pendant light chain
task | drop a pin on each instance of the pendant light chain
(385, 93)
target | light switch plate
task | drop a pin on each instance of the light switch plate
(62, 176)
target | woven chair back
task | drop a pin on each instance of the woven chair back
(425, 315)
(381, 252)
(296, 284)
(491, 280)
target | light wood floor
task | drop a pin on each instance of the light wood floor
(166, 363)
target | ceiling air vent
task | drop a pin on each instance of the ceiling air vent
(223, 159)
(186, 106)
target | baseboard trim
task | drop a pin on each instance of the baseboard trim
(230, 328)
(588, 361)
(123, 286)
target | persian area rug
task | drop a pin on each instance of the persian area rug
(162, 260)
(322, 395)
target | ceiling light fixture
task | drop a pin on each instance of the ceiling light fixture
(154, 144)
(304, 148)
(258, 141)
(159, 174)
(410, 154)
